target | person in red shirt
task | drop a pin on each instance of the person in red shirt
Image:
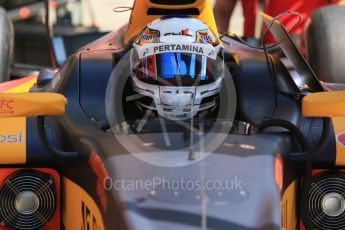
(304, 7)
(223, 9)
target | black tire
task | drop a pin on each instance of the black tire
(6, 46)
(326, 43)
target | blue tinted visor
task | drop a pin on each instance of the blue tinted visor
(175, 68)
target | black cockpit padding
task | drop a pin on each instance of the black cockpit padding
(256, 92)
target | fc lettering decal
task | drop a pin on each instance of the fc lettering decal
(6, 106)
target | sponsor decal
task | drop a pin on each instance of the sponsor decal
(146, 52)
(341, 139)
(148, 36)
(89, 220)
(12, 138)
(339, 130)
(80, 210)
(175, 48)
(184, 32)
(178, 116)
(6, 107)
(211, 53)
(207, 36)
(195, 48)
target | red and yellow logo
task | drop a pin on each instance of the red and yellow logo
(341, 139)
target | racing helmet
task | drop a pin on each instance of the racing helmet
(177, 67)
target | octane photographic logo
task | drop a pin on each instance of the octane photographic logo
(166, 148)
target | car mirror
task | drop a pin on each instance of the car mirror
(31, 104)
(324, 104)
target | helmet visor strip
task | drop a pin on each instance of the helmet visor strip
(178, 69)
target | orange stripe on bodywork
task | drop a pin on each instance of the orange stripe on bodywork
(16, 83)
(288, 207)
(13, 130)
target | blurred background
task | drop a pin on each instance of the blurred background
(90, 12)
(108, 20)
(74, 23)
